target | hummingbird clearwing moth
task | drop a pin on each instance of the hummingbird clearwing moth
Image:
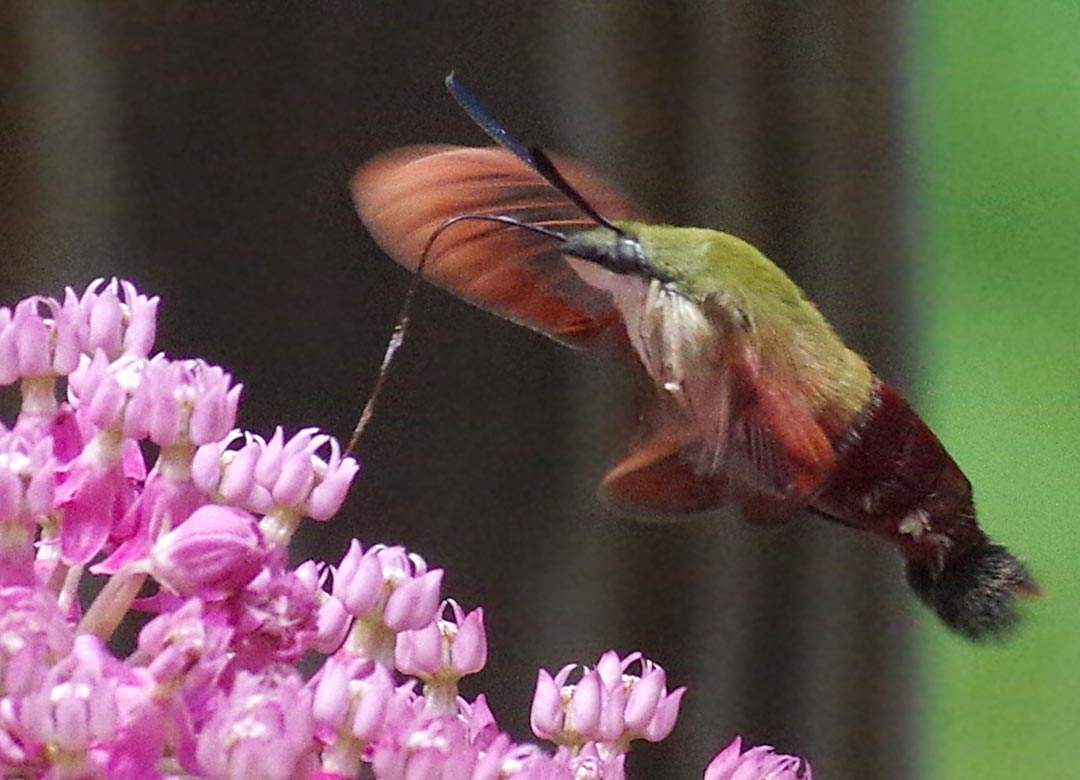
(757, 402)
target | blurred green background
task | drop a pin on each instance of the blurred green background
(998, 128)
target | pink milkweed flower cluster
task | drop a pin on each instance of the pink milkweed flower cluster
(195, 539)
(732, 763)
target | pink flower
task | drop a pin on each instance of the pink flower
(434, 749)
(181, 401)
(593, 762)
(286, 479)
(177, 405)
(351, 705)
(479, 720)
(442, 653)
(27, 347)
(388, 583)
(227, 475)
(607, 705)
(185, 402)
(262, 729)
(83, 716)
(115, 318)
(43, 337)
(217, 551)
(185, 647)
(212, 690)
(332, 621)
(33, 636)
(276, 618)
(296, 478)
(167, 499)
(649, 711)
(27, 487)
(185, 653)
(445, 747)
(446, 649)
(757, 763)
(95, 493)
(101, 389)
(388, 590)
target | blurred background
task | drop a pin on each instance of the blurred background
(914, 166)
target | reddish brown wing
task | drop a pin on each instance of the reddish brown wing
(656, 477)
(729, 432)
(405, 195)
(670, 472)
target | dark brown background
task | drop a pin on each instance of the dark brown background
(203, 150)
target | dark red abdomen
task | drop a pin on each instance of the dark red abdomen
(894, 478)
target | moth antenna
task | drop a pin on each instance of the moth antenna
(533, 156)
(397, 338)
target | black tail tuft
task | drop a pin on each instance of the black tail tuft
(974, 594)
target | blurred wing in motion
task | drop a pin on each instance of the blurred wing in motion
(405, 195)
(727, 430)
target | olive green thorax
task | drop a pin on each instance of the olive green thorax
(797, 346)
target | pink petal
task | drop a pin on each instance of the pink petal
(10, 495)
(142, 322)
(358, 581)
(71, 721)
(9, 354)
(546, 715)
(666, 715)
(610, 667)
(419, 653)
(327, 497)
(31, 341)
(295, 482)
(270, 459)
(371, 708)
(413, 604)
(206, 468)
(644, 698)
(469, 649)
(331, 702)
(104, 323)
(238, 479)
(333, 624)
(723, 765)
(613, 707)
(585, 705)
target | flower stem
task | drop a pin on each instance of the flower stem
(372, 640)
(440, 698)
(39, 397)
(343, 757)
(70, 588)
(112, 604)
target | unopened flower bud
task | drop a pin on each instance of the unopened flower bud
(216, 551)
